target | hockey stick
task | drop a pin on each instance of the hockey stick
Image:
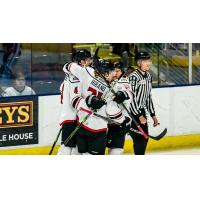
(111, 121)
(70, 136)
(52, 148)
(77, 128)
(158, 137)
(114, 122)
(111, 89)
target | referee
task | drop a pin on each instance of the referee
(141, 82)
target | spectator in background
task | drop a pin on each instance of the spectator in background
(19, 87)
(11, 52)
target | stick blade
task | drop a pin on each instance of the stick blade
(160, 136)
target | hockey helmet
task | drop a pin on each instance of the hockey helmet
(81, 55)
(142, 55)
(105, 66)
(119, 65)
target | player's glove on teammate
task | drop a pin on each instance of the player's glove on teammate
(94, 102)
(126, 125)
(121, 96)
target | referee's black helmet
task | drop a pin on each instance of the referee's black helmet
(142, 55)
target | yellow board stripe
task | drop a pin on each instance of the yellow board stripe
(167, 143)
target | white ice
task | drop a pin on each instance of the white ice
(190, 151)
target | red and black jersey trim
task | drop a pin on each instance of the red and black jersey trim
(116, 116)
(87, 111)
(76, 101)
(67, 121)
(93, 130)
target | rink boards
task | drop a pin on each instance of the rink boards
(178, 109)
(167, 143)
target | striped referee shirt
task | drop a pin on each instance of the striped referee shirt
(141, 87)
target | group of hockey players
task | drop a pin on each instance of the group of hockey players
(92, 95)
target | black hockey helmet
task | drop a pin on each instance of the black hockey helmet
(105, 66)
(79, 55)
(119, 65)
(142, 55)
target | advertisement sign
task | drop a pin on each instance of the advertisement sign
(18, 121)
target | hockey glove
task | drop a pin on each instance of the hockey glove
(120, 97)
(94, 102)
(126, 125)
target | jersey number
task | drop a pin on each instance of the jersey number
(95, 92)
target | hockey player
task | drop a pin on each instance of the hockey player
(116, 136)
(92, 136)
(119, 69)
(141, 81)
(68, 113)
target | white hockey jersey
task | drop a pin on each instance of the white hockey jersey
(70, 84)
(96, 86)
(121, 85)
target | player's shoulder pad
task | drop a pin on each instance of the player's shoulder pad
(71, 78)
(68, 75)
(65, 67)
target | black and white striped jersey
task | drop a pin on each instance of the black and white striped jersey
(141, 88)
